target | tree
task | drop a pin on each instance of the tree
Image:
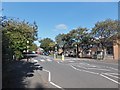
(103, 31)
(61, 41)
(79, 37)
(66, 41)
(52, 46)
(46, 44)
(15, 35)
(33, 47)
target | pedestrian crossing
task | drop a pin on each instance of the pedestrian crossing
(44, 60)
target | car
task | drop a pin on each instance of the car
(30, 54)
(72, 54)
(98, 55)
(46, 53)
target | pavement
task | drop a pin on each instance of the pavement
(23, 74)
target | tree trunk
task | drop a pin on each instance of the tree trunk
(105, 54)
(77, 50)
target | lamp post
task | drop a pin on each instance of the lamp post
(27, 49)
(76, 50)
(55, 53)
(63, 57)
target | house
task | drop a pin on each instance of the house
(116, 49)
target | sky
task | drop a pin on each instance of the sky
(60, 0)
(54, 18)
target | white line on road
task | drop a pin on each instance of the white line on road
(75, 68)
(82, 67)
(109, 78)
(35, 61)
(84, 70)
(49, 79)
(42, 60)
(113, 68)
(100, 69)
(90, 65)
(111, 75)
(94, 68)
(71, 61)
(90, 72)
(114, 73)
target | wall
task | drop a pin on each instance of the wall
(116, 48)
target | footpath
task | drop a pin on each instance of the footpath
(23, 74)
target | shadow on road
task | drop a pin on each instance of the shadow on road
(15, 73)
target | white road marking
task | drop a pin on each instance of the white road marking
(90, 65)
(35, 61)
(49, 79)
(90, 72)
(109, 78)
(94, 68)
(49, 60)
(114, 73)
(111, 75)
(84, 70)
(82, 67)
(71, 61)
(100, 69)
(75, 68)
(109, 63)
(42, 60)
(113, 68)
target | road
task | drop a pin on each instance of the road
(76, 73)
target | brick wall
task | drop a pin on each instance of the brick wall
(116, 48)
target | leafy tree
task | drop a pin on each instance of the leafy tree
(79, 37)
(59, 39)
(46, 44)
(103, 31)
(66, 41)
(33, 47)
(15, 35)
(52, 45)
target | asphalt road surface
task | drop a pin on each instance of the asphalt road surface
(76, 73)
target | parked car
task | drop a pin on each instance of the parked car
(46, 53)
(72, 54)
(98, 55)
(67, 53)
(30, 54)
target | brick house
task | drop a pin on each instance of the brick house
(116, 49)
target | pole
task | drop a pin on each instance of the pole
(62, 57)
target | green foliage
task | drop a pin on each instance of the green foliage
(59, 39)
(15, 35)
(33, 47)
(104, 30)
(47, 44)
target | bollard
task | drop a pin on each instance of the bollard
(62, 57)
(54, 56)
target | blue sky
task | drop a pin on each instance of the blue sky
(54, 18)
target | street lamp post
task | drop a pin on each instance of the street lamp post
(55, 53)
(27, 49)
(76, 50)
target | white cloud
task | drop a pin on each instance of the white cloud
(61, 27)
